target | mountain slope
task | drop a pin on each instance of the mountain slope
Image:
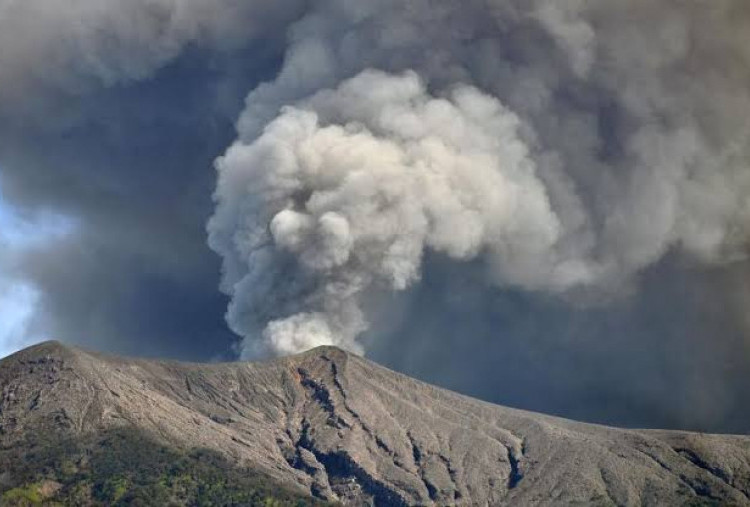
(341, 428)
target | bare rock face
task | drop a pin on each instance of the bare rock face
(344, 429)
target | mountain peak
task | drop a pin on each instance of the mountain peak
(330, 351)
(52, 348)
(51, 345)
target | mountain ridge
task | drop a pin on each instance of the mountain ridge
(340, 428)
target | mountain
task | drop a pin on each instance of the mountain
(325, 425)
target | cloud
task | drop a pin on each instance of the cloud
(359, 182)
(17, 303)
(561, 145)
(19, 233)
(67, 50)
(111, 114)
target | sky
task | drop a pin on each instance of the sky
(19, 299)
(537, 203)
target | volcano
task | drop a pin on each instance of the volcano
(330, 426)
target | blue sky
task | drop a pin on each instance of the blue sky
(18, 299)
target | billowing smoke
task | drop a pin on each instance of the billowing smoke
(541, 203)
(350, 188)
(111, 114)
(565, 147)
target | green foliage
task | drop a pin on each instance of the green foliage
(124, 467)
(114, 489)
(24, 495)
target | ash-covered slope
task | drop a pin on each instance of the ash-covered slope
(341, 428)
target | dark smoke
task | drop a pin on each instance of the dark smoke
(537, 203)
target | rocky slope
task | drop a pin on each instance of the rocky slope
(338, 427)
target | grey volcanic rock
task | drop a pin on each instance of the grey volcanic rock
(342, 428)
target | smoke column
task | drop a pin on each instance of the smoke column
(566, 147)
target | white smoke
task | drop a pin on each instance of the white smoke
(568, 147)
(354, 184)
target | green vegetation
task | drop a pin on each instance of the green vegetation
(28, 494)
(124, 467)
